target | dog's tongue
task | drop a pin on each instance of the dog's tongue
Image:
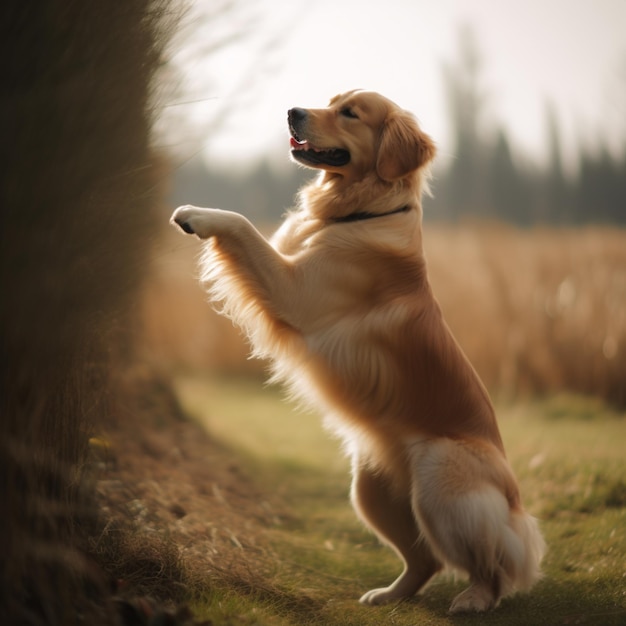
(298, 145)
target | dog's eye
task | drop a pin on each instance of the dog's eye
(348, 112)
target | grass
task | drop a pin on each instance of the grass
(567, 451)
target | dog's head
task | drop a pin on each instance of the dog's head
(358, 133)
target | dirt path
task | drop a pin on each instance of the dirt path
(179, 513)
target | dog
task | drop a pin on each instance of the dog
(339, 301)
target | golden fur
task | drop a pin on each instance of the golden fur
(340, 302)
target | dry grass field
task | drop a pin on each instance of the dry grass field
(538, 311)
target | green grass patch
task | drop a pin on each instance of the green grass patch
(569, 455)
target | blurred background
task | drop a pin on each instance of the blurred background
(113, 113)
(527, 105)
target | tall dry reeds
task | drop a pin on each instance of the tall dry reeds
(537, 311)
(77, 189)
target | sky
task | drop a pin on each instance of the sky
(569, 54)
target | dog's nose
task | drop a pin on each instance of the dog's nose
(296, 115)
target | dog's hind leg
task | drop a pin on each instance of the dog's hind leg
(459, 499)
(390, 516)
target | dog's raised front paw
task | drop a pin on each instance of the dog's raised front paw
(191, 220)
(186, 226)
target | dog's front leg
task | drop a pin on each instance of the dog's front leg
(271, 274)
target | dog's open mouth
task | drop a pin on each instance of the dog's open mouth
(303, 151)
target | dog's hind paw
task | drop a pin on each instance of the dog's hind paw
(379, 596)
(398, 591)
(476, 598)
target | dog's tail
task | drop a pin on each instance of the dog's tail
(524, 550)
(479, 533)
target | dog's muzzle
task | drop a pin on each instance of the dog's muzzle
(297, 118)
(306, 153)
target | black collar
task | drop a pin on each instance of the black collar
(365, 215)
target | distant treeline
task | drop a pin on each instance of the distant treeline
(483, 181)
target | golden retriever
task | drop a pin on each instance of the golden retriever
(339, 301)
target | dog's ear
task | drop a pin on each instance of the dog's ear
(403, 147)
